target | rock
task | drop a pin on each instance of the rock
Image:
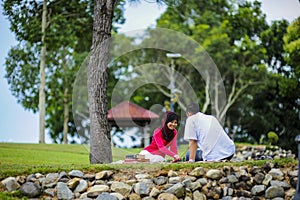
(198, 195)
(290, 193)
(84, 196)
(99, 189)
(258, 190)
(214, 174)
(197, 172)
(214, 193)
(31, 189)
(195, 186)
(100, 182)
(227, 191)
(174, 180)
(121, 188)
(134, 196)
(62, 175)
(142, 176)
(21, 179)
(148, 198)
(223, 180)
(118, 195)
(106, 196)
(228, 170)
(142, 189)
(232, 179)
(177, 189)
(50, 192)
(39, 175)
(154, 192)
(192, 178)
(188, 198)
(254, 170)
(50, 180)
(202, 181)
(268, 166)
(267, 179)
(167, 196)
(106, 174)
(276, 174)
(73, 183)
(82, 186)
(259, 177)
(172, 173)
(187, 182)
(282, 184)
(130, 182)
(10, 184)
(160, 180)
(273, 192)
(89, 177)
(243, 193)
(31, 178)
(76, 173)
(63, 192)
(293, 173)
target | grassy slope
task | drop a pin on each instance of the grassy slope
(19, 159)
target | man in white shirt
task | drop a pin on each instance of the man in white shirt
(206, 132)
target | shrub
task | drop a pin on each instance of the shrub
(272, 137)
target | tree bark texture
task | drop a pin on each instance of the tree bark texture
(100, 139)
(42, 98)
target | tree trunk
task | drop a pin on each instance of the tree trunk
(100, 140)
(66, 115)
(42, 97)
(65, 98)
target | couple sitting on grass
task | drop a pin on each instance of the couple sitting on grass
(207, 139)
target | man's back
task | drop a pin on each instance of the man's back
(210, 135)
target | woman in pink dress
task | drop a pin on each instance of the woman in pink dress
(164, 141)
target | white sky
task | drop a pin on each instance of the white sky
(18, 125)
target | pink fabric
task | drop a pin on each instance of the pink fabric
(159, 146)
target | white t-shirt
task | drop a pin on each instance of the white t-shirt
(211, 138)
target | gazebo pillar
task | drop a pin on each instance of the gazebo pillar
(146, 135)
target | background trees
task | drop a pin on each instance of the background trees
(251, 57)
(259, 63)
(68, 38)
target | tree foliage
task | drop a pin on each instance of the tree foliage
(68, 38)
(259, 68)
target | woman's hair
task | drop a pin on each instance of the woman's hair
(193, 108)
(168, 134)
(170, 116)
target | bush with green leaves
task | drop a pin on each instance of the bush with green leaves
(272, 137)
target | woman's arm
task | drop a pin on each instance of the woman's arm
(160, 144)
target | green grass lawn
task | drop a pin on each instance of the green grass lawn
(19, 158)
(24, 159)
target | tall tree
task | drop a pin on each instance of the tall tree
(100, 139)
(42, 97)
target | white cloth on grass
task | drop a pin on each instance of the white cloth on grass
(153, 158)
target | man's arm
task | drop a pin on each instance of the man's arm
(193, 149)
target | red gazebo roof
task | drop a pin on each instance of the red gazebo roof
(129, 114)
